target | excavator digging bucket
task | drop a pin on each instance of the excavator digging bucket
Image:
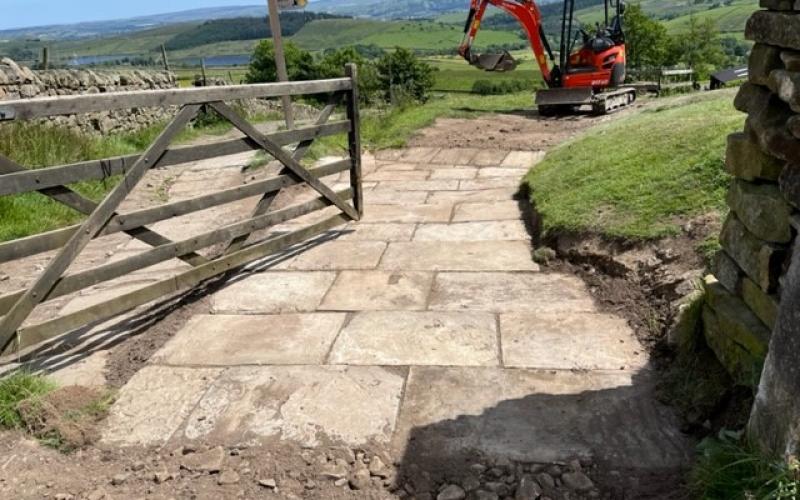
(495, 62)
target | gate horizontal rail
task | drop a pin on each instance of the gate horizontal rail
(102, 218)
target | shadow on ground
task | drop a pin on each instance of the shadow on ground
(629, 444)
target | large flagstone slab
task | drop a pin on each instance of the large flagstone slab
(576, 341)
(510, 292)
(154, 403)
(273, 292)
(378, 290)
(305, 404)
(418, 338)
(449, 414)
(459, 256)
(506, 230)
(230, 340)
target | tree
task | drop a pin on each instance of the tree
(299, 63)
(700, 48)
(401, 73)
(647, 43)
(332, 66)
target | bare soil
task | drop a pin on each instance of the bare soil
(521, 131)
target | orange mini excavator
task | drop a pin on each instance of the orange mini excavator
(591, 75)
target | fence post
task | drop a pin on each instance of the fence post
(354, 138)
(45, 58)
(203, 71)
(164, 59)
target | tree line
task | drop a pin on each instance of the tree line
(398, 77)
(242, 28)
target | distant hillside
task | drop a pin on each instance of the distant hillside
(95, 29)
(241, 28)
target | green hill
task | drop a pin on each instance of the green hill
(418, 35)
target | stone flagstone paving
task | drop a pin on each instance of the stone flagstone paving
(427, 325)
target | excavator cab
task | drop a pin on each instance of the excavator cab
(587, 70)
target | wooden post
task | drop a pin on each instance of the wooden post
(354, 139)
(45, 57)
(164, 57)
(280, 59)
(203, 71)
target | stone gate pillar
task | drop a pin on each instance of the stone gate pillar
(761, 231)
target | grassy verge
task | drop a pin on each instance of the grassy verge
(64, 418)
(729, 468)
(34, 145)
(638, 177)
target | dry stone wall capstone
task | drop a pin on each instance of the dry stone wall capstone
(751, 316)
(20, 82)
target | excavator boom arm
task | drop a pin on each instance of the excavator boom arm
(529, 17)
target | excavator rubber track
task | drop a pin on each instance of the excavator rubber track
(562, 100)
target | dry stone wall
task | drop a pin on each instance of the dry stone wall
(750, 296)
(20, 82)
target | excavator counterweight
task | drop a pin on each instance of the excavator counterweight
(590, 76)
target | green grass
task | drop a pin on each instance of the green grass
(455, 75)
(728, 468)
(16, 388)
(35, 146)
(420, 35)
(638, 177)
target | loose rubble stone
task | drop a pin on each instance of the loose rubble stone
(336, 470)
(483, 495)
(745, 159)
(377, 468)
(209, 461)
(762, 209)
(528, 489)
(119, 479)
(360, 480)
(471, 483)
(452, 492)
(268, 483)
(577, 481)
(228, 477)
(545, 480)
(761, 261)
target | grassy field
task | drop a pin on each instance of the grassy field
(420, 35)
(635, 178)
(455, 75)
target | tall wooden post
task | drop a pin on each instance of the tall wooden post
(164, 57)
(203, 70)
(280, 59)
(45, 57)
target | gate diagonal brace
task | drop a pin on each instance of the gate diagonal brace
(75, 201)
(93, 224)
(284, 157)
(300, 151)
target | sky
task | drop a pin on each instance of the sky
(23, 13)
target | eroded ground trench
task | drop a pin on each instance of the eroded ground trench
(420, 353)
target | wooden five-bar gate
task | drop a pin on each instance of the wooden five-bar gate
(102, 218)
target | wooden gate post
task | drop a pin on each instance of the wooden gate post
(354, 139)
